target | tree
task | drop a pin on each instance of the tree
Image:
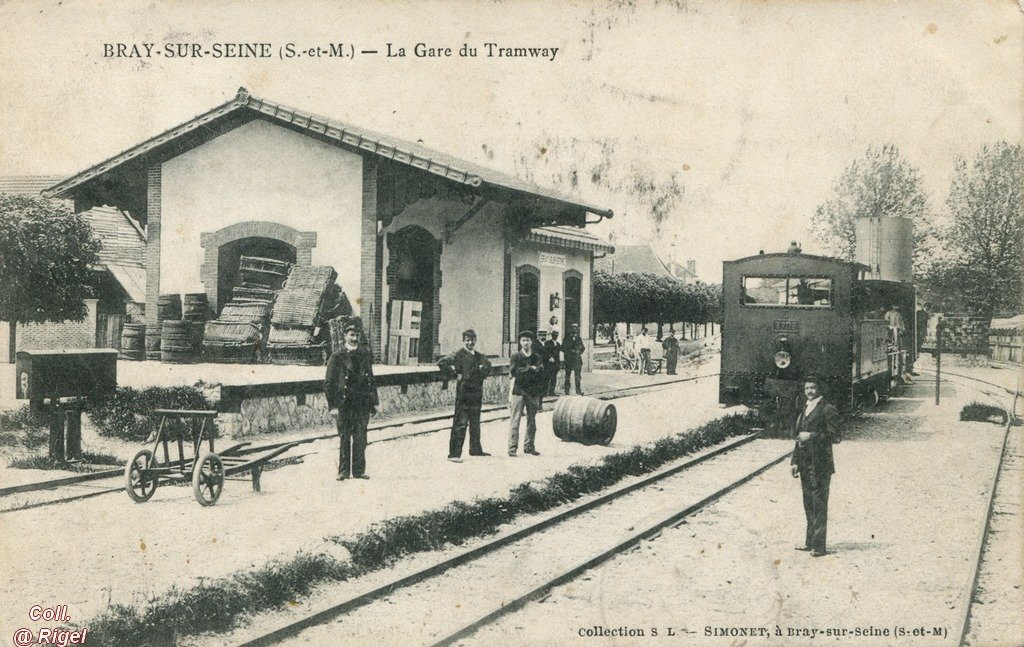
(45, 255)
(986, 209)
(880, 184)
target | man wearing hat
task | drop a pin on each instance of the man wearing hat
(529, 385)
(471, 368)
(352, 393)
(816, 429)
(572, 354)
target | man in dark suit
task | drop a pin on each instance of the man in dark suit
(816, 429)
(471, 367)
(552, 360)
(352, 393)
(572, 356)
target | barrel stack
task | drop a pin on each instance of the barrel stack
(585, 420)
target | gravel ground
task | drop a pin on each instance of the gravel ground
(433, 609)
(906, 511)
(997, 615)
(109, 550)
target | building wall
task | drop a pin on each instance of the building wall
(551, 281)
(471, 289)
(261, 171)
(66, 334)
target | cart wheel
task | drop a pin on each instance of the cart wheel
(208, 479)
(139, 486)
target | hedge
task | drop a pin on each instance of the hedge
(128, 414)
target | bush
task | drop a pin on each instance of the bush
(128, 415)
(23, 427)
(978, 412)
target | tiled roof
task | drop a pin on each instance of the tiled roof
(122, 242)
(399, 150)
(639, 259)
(569, 237)
(27, 184)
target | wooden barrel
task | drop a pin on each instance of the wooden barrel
(585, 420)
(168, 307)
(153, 341)
(196, 307)
(133, 341)
(180, 341)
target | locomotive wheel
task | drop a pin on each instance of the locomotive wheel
(208, 479)
(137, 484)
(871, 400)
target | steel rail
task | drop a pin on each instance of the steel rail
(631, 541)
(320, 617)
(119, 472)
(965, 619)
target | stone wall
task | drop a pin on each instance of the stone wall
(269, 413)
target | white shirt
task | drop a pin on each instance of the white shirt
(643, 342)
(809, 407)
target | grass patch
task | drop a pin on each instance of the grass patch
(216, 607)
(87, 464)
(22, 427)
(128, 414)
(978, 412)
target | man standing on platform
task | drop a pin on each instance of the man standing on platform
(817, 428)
(529, 385)
(572, 354)
(553, 360)
(671, 347)
(352, 394)
(471, 367)
(642, 344)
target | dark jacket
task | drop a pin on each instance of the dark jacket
(573, 348)
(552, 352)
(471, 367)
(350, 379)
(816, 453)
(670, 345)
(529, 374)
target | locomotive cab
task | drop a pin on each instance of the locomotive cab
(787, 316)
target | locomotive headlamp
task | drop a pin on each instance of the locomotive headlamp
(782, 359)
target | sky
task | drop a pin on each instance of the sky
(712, 129)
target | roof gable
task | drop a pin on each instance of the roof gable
(363, 140)
(638, 259)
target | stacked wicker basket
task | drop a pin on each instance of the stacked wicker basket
(239, 334)
(296, 324)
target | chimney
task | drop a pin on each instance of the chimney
(691, 267)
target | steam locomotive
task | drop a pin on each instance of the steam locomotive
(790, 315)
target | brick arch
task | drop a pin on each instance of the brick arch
(211, 242)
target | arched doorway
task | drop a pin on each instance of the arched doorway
(265, 239)
(228, 256)
(414, 274)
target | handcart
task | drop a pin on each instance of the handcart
(145, 471)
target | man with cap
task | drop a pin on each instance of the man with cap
(670, 346)
(572, 352)
(352, 394)
(529, 385)
(816, 429)
(470, 367)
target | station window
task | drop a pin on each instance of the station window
(785, 292)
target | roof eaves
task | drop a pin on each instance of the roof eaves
(350, 135)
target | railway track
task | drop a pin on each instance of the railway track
(700, 480)
(416, 591)
(444, 420)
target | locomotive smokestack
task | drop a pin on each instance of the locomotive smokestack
(794, 248)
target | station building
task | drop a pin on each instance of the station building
(407, 228)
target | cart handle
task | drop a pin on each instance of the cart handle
(185, 413)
